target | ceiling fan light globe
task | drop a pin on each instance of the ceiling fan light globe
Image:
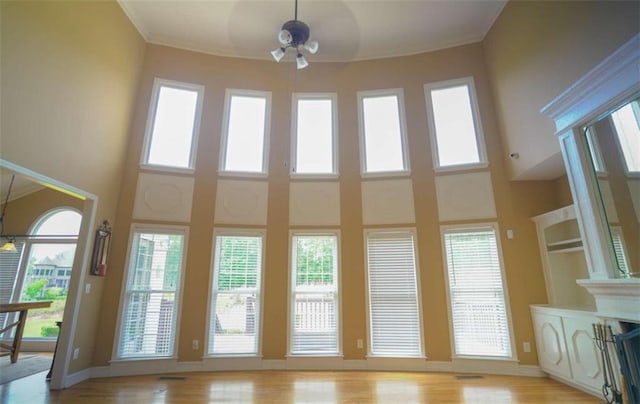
(277, 54)
(312, 46)
(285, 37)
(301, 61)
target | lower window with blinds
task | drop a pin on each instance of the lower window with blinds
(234, 321)
(394, 305)
(476, 293)
(314, 295)
(152, 294)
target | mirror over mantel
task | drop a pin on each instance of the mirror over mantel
(613, 144)
(605, 197)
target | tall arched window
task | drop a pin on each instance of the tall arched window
(45, 269)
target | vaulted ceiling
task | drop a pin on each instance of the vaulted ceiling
(347, 30)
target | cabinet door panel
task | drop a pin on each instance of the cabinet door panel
(552, 352)
(584, 355)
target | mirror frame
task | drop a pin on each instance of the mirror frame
(607, 86)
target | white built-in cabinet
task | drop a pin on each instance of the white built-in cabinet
(564, 328)
(566, 348)
(563, 259)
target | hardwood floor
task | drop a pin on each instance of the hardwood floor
(298, 387)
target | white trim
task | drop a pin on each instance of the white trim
(337, 291)
(574, 384)
(78, 377)
(600, 90)
(213, 279)
(158, 83)
(147, 367)
(229, 93)
(156, 229)
(81, 261)
(461, 228)
(333, 97)
(468, 82)
(399, 94)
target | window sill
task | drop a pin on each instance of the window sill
(462, 167)
(299, 176)
(240, 174)
(386, 175)
(167, 169)
(232, 356)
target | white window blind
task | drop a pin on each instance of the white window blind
(150, 309)
(314, 295)
(394, 312)
(477, 299)
(173, 124)
(235, 298)
(9, 265)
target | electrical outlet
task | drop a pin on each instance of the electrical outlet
(87, 288)
(526, 346)
(359, 343)
(76, 353)
(195, 344)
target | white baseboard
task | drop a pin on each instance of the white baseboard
(163, 366)
(587, 389)
(77, 377)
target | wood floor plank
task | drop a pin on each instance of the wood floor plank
(299, 387)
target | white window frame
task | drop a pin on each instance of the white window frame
(229, 93)
(151, 116)
(464, 228)
(333, 97)
(635, 106)
(161, 229)
(480, 141)
(399, 93)
(213, 275)
(414, 235)
(336, 292)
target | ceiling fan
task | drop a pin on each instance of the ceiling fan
(294, 34)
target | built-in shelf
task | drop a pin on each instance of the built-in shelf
(574, 244)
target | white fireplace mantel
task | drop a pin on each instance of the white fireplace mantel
(617, 299)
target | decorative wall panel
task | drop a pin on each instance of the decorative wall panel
(314, 203)
(241, 202)
(388, 202)
(465, 196)
(163, 197)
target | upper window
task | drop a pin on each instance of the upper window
(314, 295)
(627, 123)
(314, 134)
(477, 304)
(394, 303)
(454, 123)
(383, 140)
(235, 294)
(149, 311)
(173, 124)
(245, 132)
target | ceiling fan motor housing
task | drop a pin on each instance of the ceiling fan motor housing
(299, 32)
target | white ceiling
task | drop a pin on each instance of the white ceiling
(347, 30)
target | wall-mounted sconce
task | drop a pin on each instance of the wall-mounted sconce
(101, 249)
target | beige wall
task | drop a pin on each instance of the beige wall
(69, 78)
(516, 202)
(22, 213)
(534, 51)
